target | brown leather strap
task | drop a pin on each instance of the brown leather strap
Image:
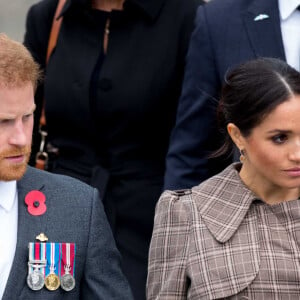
(42, 156)
(51, 45)
(55, 28)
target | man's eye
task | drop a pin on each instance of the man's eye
(5, 121)
(28, 116)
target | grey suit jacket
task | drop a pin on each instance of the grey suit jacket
(74, 214)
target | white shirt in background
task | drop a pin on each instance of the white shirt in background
(290, 29)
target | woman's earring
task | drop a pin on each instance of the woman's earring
(242, 155)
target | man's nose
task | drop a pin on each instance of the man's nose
(18, 135)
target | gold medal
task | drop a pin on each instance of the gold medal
(52, 282)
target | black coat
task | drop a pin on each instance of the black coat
(124, 123)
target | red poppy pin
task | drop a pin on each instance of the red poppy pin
(35, 201)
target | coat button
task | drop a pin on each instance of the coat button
(105, 84)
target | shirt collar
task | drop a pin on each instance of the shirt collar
(223, 202)
(287, 7)
(7, 191)
(150, 8)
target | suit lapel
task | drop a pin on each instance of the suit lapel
(265, 34)
(28, 228)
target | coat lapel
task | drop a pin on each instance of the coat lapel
(224, 204)
(262, 22)
(28, 228)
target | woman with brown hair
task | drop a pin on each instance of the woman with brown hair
(236, 235)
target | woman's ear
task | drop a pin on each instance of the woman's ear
(236, 135)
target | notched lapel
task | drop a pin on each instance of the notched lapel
(264, 33)
(29, 227)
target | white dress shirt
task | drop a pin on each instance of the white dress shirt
(290, 29)
(8, 229)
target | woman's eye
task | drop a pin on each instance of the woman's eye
(279, 139)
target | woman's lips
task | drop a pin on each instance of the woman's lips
(293, 172)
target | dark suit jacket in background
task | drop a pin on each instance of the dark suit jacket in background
(225, 35)
(74, 214)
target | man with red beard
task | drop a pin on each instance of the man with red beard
(55, 242)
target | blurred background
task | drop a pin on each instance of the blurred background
(12, 17)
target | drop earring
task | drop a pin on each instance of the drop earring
(242, 155)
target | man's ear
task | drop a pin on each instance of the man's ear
(236, 135)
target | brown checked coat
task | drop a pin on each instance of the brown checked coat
(219, 241)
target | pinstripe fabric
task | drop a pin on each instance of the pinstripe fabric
(218, 241)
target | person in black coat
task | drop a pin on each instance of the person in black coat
(111, 89)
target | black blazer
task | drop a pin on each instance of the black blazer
(226, 34)
(133, 111)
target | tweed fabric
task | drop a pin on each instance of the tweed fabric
(219, 241)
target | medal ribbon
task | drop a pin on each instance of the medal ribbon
(37, 251)
(53, 257)
(43, 255)
(68, 257)
(31, 256)
(40, 254)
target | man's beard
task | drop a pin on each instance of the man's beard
(10, 170)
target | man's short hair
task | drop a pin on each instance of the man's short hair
(17, 66)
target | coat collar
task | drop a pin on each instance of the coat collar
(149, 8)
(223, 202)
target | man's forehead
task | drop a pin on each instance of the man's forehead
(14, 112)
(17, 100)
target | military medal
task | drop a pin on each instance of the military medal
(68, 258)
(67, 282)
(35, 279)
(52, 281)
(36, 265)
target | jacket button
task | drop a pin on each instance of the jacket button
(105, 84)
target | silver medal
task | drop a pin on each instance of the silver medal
(35, 277)
(35, 280)
(67, 282)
